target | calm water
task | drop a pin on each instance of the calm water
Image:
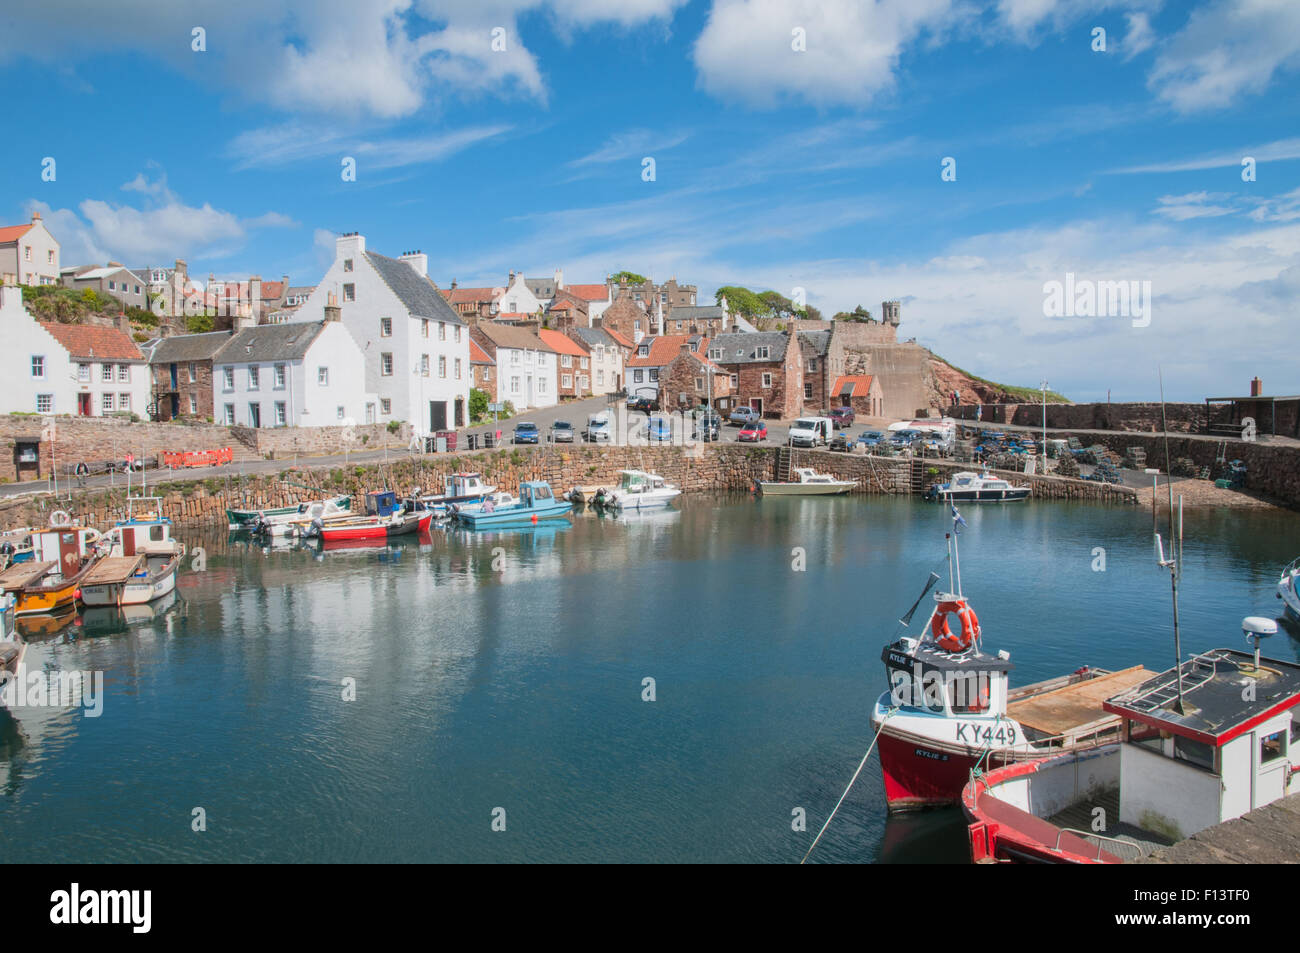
(522, 688)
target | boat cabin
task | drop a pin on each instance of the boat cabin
(925, 679)
(535, 493)
(465, 484)
(1230, 750)
(382, 503)
(144, 532)
(67, 547)
(638, 481)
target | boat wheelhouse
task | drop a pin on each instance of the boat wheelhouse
(1224, 743)
(536, 502)
(806, 482)
(638, 490)
(62, 555)
(458, 488)
(141, 560)
(970, 487)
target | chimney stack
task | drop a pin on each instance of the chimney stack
(1256, 388)
(332, 310)
(418, 261)
(559, 279)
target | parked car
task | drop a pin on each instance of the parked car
(645, 404)
(658, 430)
(598, 429)
(811, 432)
(745, 415)
(752, 433)
(561, 432)
(870, 438)
(526, 433)
(904, 438)
(842, 417)
(708, 427)
(841, 443)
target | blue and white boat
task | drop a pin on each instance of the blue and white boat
(1288, 588)
(968, 487)
(536, 502)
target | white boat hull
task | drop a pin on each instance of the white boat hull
(132, 592)
(653, 499)
(1288, 590)
(806, 489)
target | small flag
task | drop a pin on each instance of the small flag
(957, 521)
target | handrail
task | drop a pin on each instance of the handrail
(1100, 837)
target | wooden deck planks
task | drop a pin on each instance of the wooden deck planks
(112, 569)
(20, 574)
(1073, 706)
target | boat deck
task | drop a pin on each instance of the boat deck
(113, 569)
(1061, 710)
(1080, 818)
(22, 574)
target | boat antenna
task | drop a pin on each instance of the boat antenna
(906, 620)
(1175, 561)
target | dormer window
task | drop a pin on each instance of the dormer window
(762, 353)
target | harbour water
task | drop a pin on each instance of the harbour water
(507, 670)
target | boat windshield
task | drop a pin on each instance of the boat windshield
(541, 492)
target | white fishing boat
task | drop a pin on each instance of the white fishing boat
(638, 490)
(807, 482)
(141, 558)
(1288, 588)
(969, 487)
(12, 646)
(292, 522)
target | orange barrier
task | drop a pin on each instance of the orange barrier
(197, 458)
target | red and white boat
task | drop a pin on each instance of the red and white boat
(400, 523)
(950, 707)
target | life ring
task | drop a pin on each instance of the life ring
(943, 634)
(60, 518)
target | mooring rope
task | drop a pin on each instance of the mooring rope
(852, 781)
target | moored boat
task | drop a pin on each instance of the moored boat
(950, 707)
(141, 560)
(398, 523)
(806, 482)
(638, 490)
(12, 646)
(536, 502)
(1288, 588)
(459, 489)
(970, 487)
(248, 519)
(51, 580)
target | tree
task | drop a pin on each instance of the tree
(764, 309)
(631, 277)
(859, 314)
(478, 403)
(199, 323)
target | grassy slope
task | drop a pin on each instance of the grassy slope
(1019, 393)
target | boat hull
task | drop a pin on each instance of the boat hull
(246, 519)
(377, 530)
(1013, 495)
(804, 489)
(642, 501)
(1288, 590)
(136, 591)
(45, 599)
(514, 517)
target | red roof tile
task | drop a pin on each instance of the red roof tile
(562, 344)
(469, 295)
(85, 340)
(588, 292)
(12, 233)
(619, 339)
(861, 384)
(477, 355)
(663, 350)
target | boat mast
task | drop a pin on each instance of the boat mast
(1175, 562)
(956, 557)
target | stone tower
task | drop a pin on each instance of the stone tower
(891, 312)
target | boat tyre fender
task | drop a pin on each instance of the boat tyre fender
(60, 518)
(943, 634)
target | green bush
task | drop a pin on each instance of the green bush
(394, 426)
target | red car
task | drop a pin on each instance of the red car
(753, 433)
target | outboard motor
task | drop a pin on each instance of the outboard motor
(317, 525)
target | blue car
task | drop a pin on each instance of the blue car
(871, 438)
(526, 433)
(658, 430)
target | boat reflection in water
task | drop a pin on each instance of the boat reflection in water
(98, 621)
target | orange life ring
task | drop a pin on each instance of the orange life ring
(943, 635)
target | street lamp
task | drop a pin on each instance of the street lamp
(1043, 384)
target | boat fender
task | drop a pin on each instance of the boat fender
(942, 632)
(60, 518)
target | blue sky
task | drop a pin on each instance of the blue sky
(774, 167)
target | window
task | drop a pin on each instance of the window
(280, 417)
(514, 357)
(566, 380)
(600, 378)
(1271, 747)
(49, 260)
(458, 334)
(715, 354)
(442, 330)
(442, 366)
(386, 364)
(424, 365)
(106, 403)
(83, 373)
(699, 385)
(636, 324)
(194, 372)
(385, 327)
(347, 264)
(514, 385)
(457, 368)
(1185, 749)
(735, 380)
(124, 372)
(123, 401)
(767, 380)
(112, 286)
(279, 377)
(566, 360)
(812, 365)
(487, 373)
(338, 413)
(349, 292)
(45, 403)
(137, 289)
(582, 362)
(106, 372)
(228, 378)
(323, 376)
(253, 382)
(27, 252)
(194, 404)
(807, 392)
(762, 353)
(541, 385)
(638, 376)
(654, 373)
(385, 406)
(424, 327)
(643, 350)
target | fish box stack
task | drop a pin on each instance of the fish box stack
(1135, 458)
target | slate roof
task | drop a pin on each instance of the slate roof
(742, 348)
(687, 312)
(419, 295)
(820, 341)
(595, 337)
(183, 348)
(97, 274)
(271, 342)
(94, 342)
(541, 287)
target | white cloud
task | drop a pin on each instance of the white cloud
(1140, 36)
(1228, 50)
(1180, 208)
(745, 51)
(1278, 151)
(297, 142)
(632, 144)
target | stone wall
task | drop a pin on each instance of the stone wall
(902, 369)
(278, 443)
(1183, 418)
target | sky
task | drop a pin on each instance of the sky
(958, 155)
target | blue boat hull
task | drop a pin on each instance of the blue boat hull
(515, 515)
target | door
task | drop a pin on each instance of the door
(128, 542)
(254, 415)
(437, 415)
(757, 404)
(370, 413)
(460, 411)
(176, 405)
(83, 405)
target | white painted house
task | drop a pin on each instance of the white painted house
(415, 347)
(297, 374)
(29, 254)
(83, 370)
(527, 368)
(519, 297)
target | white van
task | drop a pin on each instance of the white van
(812, 432)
